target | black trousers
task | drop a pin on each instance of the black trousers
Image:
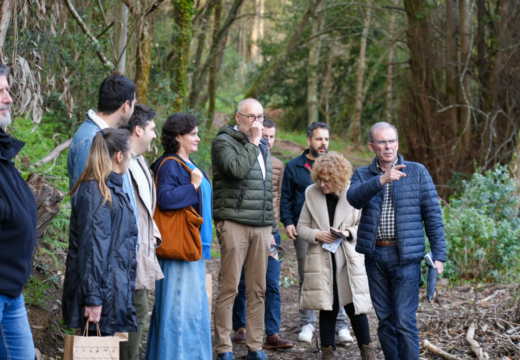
(328, 320)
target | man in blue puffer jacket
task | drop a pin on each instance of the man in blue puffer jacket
(397, 198)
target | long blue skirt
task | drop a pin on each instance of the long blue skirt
(180, 326)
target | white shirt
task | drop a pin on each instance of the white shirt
(260, 157)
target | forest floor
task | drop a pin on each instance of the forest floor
(444, 323)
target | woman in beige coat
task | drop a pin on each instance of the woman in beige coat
(334, 279)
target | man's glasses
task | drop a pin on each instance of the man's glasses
(259, 118)
(384, 142)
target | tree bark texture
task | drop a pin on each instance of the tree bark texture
(452, 75)
(6, 7)
(121, 34)
(389, 66)
(361, 72)
(258, 31)
(212, 85)
(465, 53)
(182, 12)
(48, 200)
(143, 59)
(314, 60)
(279, 59)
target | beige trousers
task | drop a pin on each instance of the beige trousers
(247, 246)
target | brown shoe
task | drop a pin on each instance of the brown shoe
(366, 354)
(327, 353)
(240, 336)
(276, 342)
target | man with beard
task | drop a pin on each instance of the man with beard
(18, 235)
(297, 177)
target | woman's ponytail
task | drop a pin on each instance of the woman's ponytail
(105, 145)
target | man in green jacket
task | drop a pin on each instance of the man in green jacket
(244, 219)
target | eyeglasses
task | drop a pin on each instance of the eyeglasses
(259, 118)
(384, 142)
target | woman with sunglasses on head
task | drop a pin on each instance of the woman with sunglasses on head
(100, 276)
(338, 277)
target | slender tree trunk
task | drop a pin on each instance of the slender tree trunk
(314, 60)
(195, 84)
(143, 60)
(279, 59)
(361, 71)
(212, 86)
(121, 34)
(182, 12)
(389, 66)
(327, 82)
(452, 76)
(258, 31)
(6, 8)
(465, 53)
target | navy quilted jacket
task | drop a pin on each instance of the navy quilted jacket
(415, 202)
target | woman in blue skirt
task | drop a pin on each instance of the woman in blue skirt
(180, 326)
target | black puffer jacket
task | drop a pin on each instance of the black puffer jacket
(101, 265)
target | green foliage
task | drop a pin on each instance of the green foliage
(36, 292)
(482, 229)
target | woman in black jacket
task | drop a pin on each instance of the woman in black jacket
(100, 276)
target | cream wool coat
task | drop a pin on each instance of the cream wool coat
(351, 277)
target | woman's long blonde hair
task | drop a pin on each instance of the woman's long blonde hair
(333, 167)
(105, 145)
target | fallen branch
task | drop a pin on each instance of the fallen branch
(475, 347)
(87, 32)
(53, 155)
(438, 352)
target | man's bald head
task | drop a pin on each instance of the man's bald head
(246, 104)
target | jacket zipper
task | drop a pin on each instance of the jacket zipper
(265, 167)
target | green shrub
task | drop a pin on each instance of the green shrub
(483, 229)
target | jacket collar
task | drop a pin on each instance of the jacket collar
(302, 159)
(97, 120)
(165, 155)
(373, 167)
(115, 181)
(238, 136)
(9, 147)
(317, 205)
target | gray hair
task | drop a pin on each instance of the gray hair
(4, 70)
(381, 125)
(243, 103)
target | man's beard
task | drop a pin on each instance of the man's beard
(314, 152)
(6, 120)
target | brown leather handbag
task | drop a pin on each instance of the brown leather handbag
(180, 229)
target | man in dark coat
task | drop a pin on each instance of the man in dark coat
(17, 238)
(399, 202)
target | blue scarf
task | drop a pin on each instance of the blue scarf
(206, 230)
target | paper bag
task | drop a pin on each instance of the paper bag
(209, 291)
(91, 347)
(119, 335)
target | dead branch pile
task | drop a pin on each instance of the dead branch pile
(471, 322)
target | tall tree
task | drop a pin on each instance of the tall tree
(258, 31)
(465, 53)
(182, 13)
(121, 34)
(361, 72)
(143, 59)
(212, 86)
(6, 9)
(452, 61)
(390, 65)
(314, 60)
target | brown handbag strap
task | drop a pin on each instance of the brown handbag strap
(170, 158)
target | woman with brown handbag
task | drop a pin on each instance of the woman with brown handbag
(180, 324)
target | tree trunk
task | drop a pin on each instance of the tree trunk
(389, 66)
(6, 8)
(465, 53)
(121, 34)
(143, 60)
(182, 12)
(48, 200)
(361, 71)
(279, 59)
(258, 31)
(314, 60)
(212, 86)
(452, 76)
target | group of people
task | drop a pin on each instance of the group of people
(359, 236)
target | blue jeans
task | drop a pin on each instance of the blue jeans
(16, 341)
(394, 289)
(273, 300)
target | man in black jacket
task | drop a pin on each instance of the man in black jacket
(297, 178)
(17, 238)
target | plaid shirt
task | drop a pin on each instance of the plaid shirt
(387, 228)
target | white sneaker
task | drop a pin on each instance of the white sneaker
(306, 333)
(344, 336)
